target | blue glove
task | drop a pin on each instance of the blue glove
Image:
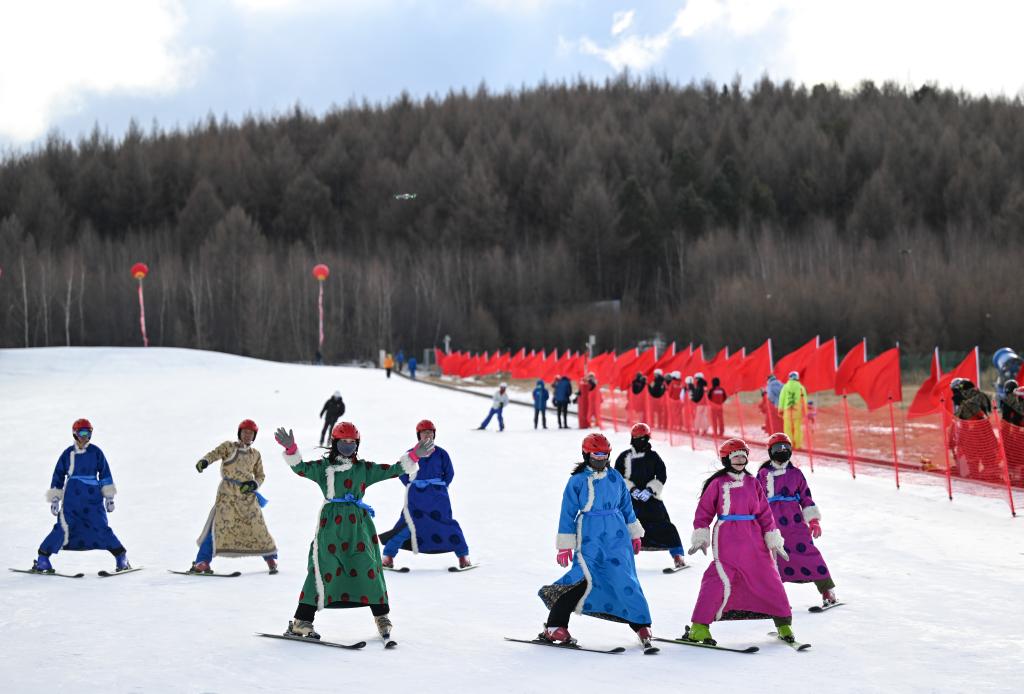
(644, 495)
(108, 503)
(635, 493)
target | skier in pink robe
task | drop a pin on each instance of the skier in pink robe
(797, 517)
(743, 581)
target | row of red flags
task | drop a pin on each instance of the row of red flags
(877, 381)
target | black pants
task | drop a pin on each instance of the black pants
(562, 409)
(328, 425)
(543, 414)
(563, 607)
(389, 373)
(307, 613)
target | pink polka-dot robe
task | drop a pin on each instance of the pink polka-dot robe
(742, 581)
(792, 507)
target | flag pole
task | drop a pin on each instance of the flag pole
(895, 456)
(849, 439)
(945, 447)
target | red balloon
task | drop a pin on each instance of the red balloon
(321, 271)
(140, 270)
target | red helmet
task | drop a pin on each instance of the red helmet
(639, 429)
(732, 446)
(425, 425)
(596, 443)
(248, 424)
(345, 430)
(779, 438)
(81, 423)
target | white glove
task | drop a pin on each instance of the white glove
(775, 544)
(108, 503)
(644, 495)
(424, 448)
(55, 507)
(700, 540)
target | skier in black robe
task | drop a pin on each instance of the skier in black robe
(644, 472)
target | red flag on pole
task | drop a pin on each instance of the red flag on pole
(853, 360)
(969, 368)
(753, 371)
(796, 360)
(878, 381)
(820, 372)
(925, 401)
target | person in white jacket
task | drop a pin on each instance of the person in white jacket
(498, 403)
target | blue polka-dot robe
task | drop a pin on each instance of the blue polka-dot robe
(81, 480)
(598, 523)
(793, 508)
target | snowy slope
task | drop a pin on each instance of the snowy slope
(933, 587)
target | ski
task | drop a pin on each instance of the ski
(455, 569)
(675, 569)
(108, 574)
(233, 574)
(538, 642)
(397, 569)
(388, 643)
(47, 573)
(306, 639)
(651, 650)
(748, 649)
(795, 645)
(824, 608)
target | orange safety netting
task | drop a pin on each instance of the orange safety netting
(949, 452)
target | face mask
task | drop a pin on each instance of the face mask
(598, 464)
(641, 445)
(780, 454)
(346, 448)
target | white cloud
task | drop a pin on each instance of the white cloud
(974, 47)
(622, 21)
(55, 55)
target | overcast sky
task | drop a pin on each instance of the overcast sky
(68, 65)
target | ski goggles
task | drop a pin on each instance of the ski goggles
(600, 455)
(84, 433)
(779, 447)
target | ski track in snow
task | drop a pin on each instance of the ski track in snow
(933, 588)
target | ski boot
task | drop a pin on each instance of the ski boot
(300, 627)
(557, 635)
(828, 598)
(387, 562)
(786, 633)
(698, 633)
(42, 565)
(464, 562)
(644, 634)
(271, 564)
(679, 561)
(383, 626)
(200, 567)
(122, 562)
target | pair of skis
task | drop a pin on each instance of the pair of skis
(387, 642)
(451, 569)
(101, 574)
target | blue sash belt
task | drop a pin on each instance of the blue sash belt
(91, 481)
(735, 517)
(260, 499)
(423, 484)
(778, 497)
(603, 512)
(349, 499)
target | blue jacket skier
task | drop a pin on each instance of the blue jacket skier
(562, 396)
(597, 522)
(540, 403)
(426, 525)
(81, 495)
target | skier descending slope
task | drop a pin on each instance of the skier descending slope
(598, 523)
(235, 526)
(742, 582)
(81, 495)
(426, 524)
(344, 567)
(797, 517)
(644, 472)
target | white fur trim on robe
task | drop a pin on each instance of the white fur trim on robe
(293, 459)
(701, 537)
(54, 494)
(408, 464)
(773, 540)
(109, 491)
(812, 513)
(565, 541)
(635, 530)
(656, 488)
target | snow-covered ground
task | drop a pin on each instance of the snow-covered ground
(934, 588)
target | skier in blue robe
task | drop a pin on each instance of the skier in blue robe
(81, 495)
(598, 524)
(426, 524)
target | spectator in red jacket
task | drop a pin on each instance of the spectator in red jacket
(716, 401)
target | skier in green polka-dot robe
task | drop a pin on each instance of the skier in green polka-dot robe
(344, 567)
